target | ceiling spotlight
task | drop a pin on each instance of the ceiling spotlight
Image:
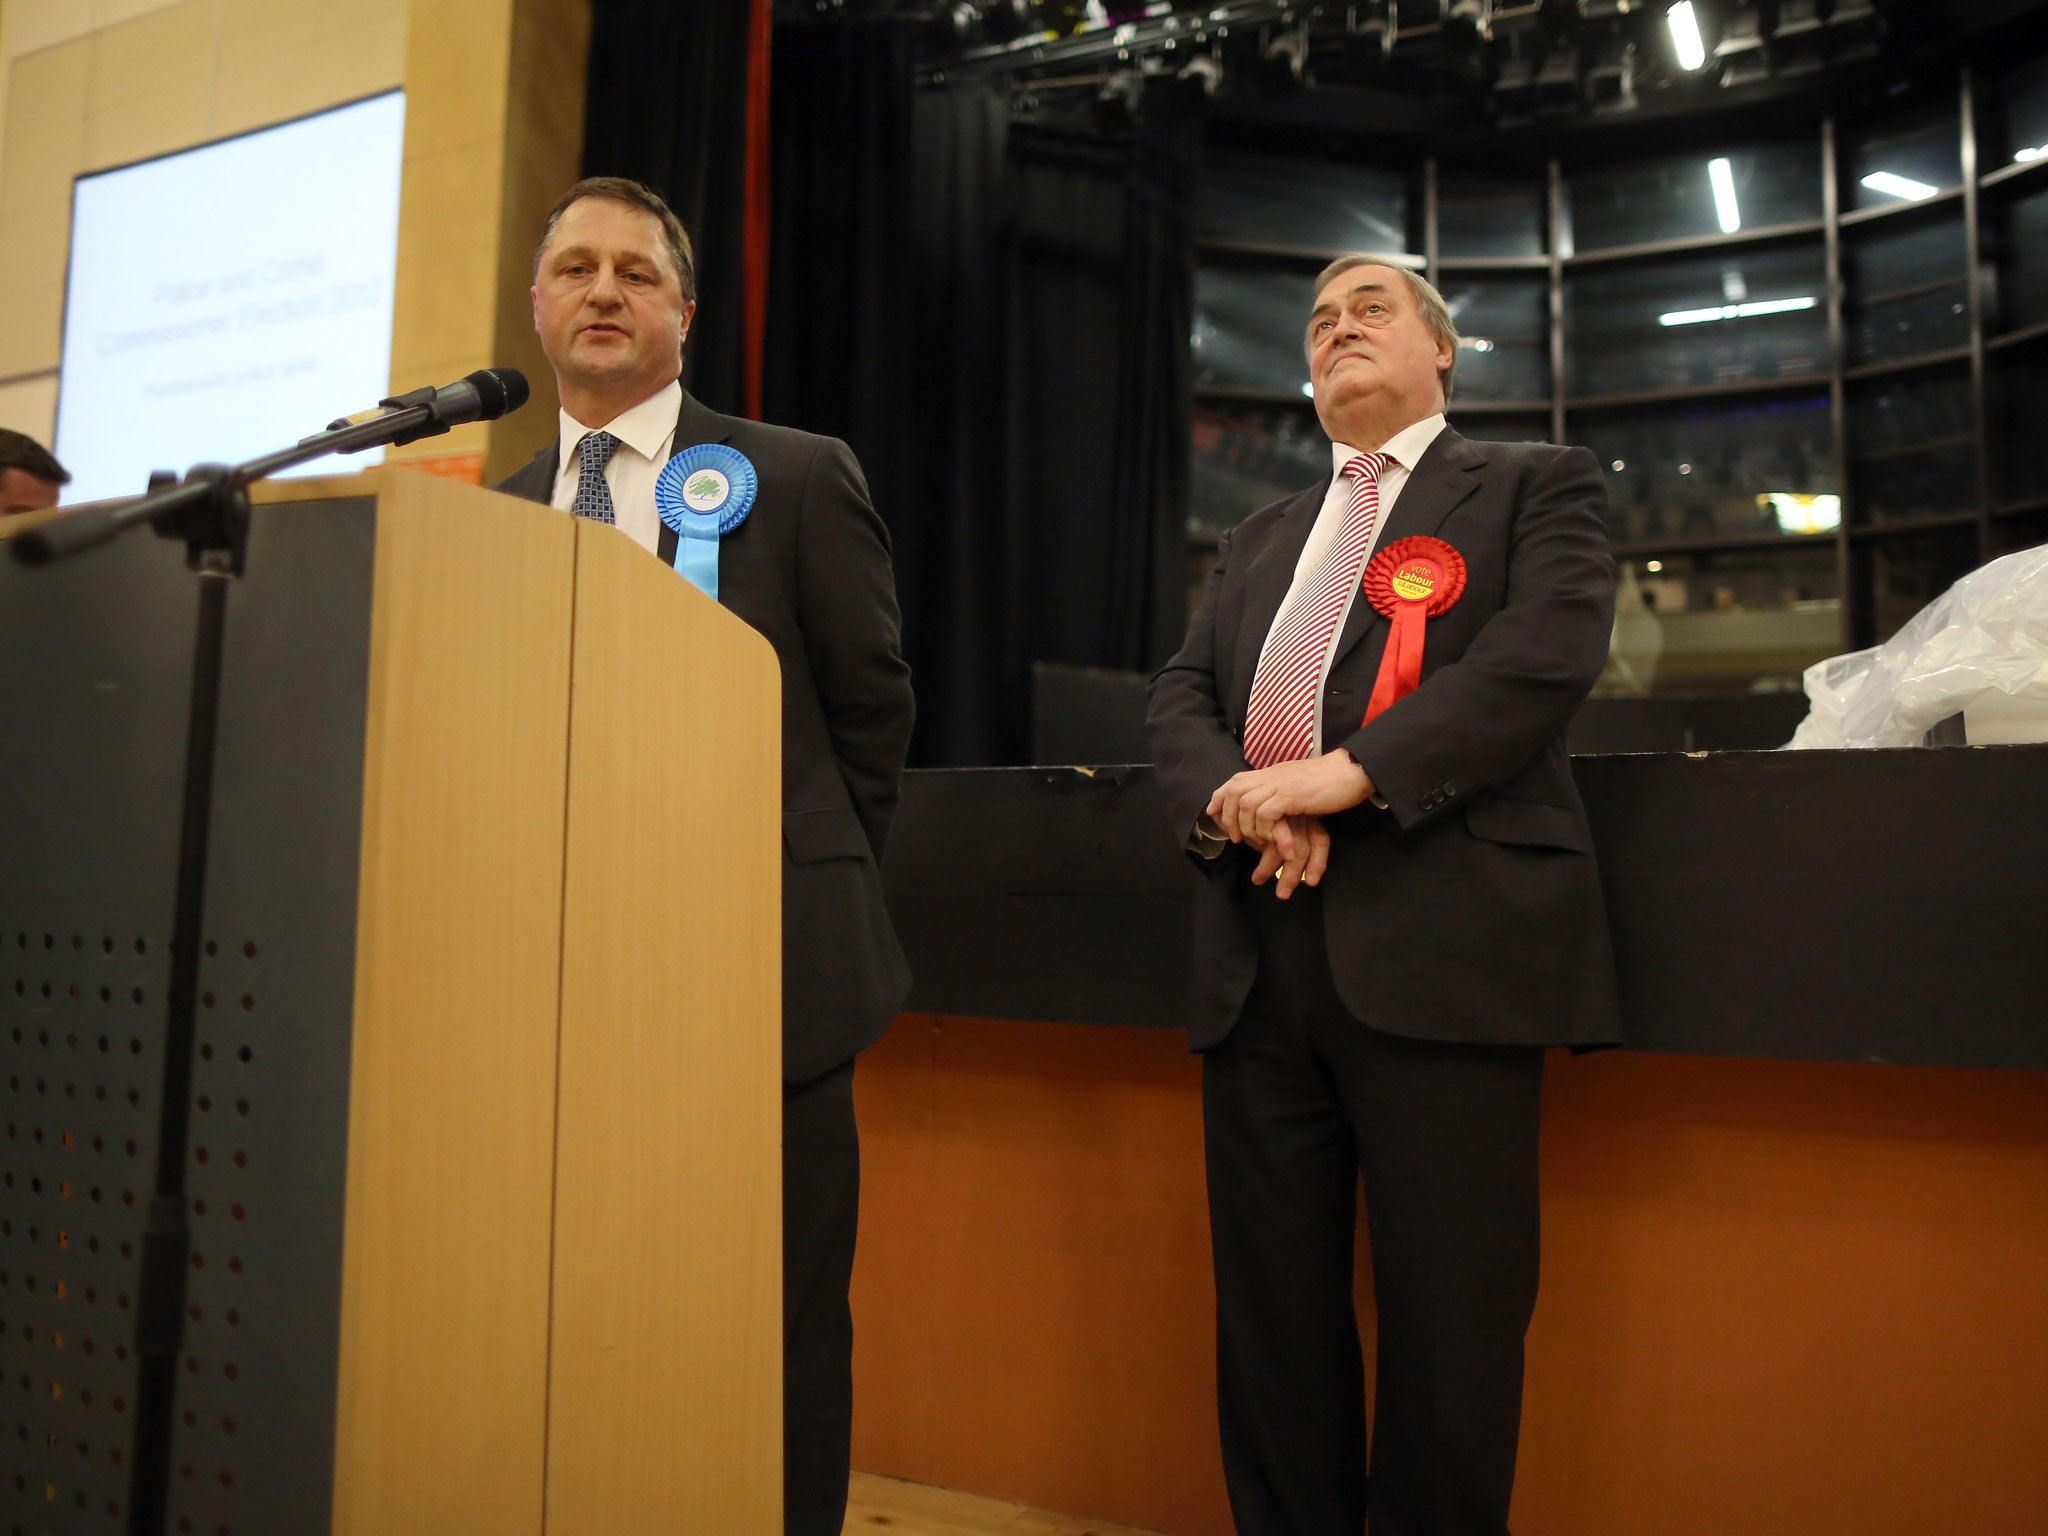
(1369, 40)
(1285, 63)
(1467, 26)
(1204, 70)
(1117, 99)
(953, 26)
(1685, 35)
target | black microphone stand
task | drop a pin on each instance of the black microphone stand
(209, 512)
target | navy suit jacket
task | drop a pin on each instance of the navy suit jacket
(1470, 909)
(810, 570)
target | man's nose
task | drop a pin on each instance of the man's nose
(605, 290)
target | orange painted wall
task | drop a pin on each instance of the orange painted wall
(1779, 1298)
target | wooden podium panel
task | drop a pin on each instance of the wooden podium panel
(671, 1102)
(442, 1408)
(484, 1179)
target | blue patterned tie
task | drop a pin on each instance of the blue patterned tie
(593, 496)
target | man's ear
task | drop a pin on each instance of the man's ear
(534, 294)
(689, 312)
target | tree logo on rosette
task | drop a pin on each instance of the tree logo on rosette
(706, 490)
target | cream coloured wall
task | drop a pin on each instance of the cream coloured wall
(493, 132)
(493, 135)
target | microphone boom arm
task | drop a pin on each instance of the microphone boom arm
(209, 508)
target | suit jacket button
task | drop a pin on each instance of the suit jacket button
(1449, 790)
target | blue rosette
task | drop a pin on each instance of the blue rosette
(702, 494)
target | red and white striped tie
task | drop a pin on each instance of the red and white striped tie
(1280, 723)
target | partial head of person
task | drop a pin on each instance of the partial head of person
(614, 287)
(30, 475)
(1381, 347)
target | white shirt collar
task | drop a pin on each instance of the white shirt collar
(1405, 447)
(644, 429)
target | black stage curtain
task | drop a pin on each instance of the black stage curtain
(666, 104)
(995, 314)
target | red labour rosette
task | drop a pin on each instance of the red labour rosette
(1411, 581)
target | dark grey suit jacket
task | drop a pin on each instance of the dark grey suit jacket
(810, 570)
(1470, 910)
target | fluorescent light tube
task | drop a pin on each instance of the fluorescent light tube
(1722, 175)
(1899, 186)
(1685, 35)
(1747, 311)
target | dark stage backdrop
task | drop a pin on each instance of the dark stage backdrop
(994, 313)
(667, 104)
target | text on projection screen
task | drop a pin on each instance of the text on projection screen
(231, 299)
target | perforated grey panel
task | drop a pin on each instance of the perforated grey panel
(93, 662)
(86, 895)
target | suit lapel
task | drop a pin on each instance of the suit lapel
(535, 479)
(1446, 474)
(696, 423)
(1266, 583)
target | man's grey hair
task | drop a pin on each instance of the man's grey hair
(1436, 314)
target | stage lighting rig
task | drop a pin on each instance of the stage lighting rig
(1559, 85)
(1546, 57)
(1612, 62)
(1558, 22)
(1002, 20)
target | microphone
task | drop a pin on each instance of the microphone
(484, 395)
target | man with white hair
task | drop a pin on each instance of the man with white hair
(1362, 746)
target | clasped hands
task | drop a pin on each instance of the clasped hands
(1279, 811)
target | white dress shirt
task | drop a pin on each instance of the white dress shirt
(1404, 448)
(644, 435)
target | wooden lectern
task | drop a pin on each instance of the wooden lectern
(485, 1162)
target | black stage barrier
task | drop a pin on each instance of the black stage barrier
(1097, 715)
(1828, 906)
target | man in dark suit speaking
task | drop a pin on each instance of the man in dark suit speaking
(1362, 745)
(614, 289)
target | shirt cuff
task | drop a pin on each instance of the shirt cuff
(1208, 840)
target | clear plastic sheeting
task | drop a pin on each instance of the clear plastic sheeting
(1979, 650)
